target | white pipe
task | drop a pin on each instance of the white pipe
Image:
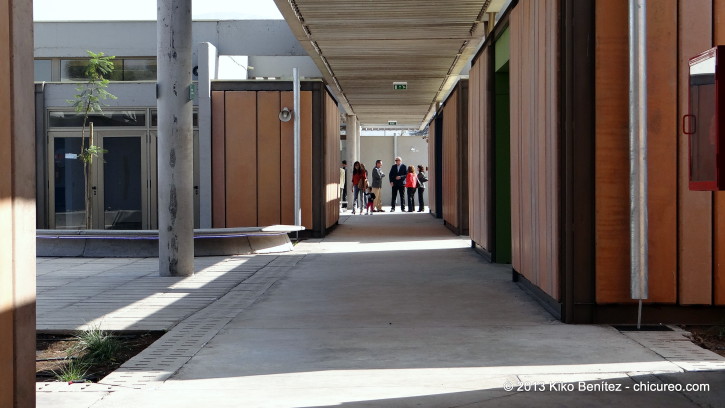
(638, 150)
(296, 87)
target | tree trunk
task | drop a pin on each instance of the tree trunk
(87, 172)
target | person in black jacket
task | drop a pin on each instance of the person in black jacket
(422, 179)
(397, 182)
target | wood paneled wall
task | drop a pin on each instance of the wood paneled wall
(535, 197)
(332, 161)
(685, 236)
(17, 206)
(455, 159)
(252, 159)
(432, 166)
(480, 196)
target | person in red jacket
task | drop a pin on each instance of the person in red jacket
(411, 183)
(359, 185)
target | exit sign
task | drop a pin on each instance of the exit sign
(392, 122)
(400, 86)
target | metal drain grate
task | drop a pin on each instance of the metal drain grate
(678, 349)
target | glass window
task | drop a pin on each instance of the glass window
(43, 70)
(74, 70)
(139, 70)
(108, 118)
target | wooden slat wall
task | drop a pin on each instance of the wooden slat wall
(683, 250)
(241, 158)
(662, 151)
(253, 164)
(306, 158)
(479, 184)
(432, 165)
(534, 85)
(17, 207)
(450, 158)
(719, 203)
(332, 160)
(218, 165)
(269, 158)
(695, 207)
(516, 113)
(611, 163)
(287, 147)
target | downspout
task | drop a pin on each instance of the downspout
(638, 152)
(297, 172)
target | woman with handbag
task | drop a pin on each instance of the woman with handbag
(359, 185)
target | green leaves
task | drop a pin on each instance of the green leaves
(90, 152)
(91, 95)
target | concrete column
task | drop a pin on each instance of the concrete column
(17, 206)
(175, 139)
(207, 61)
(352, 136)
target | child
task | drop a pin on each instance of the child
(371, 200)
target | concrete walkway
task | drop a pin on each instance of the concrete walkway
(390, 310)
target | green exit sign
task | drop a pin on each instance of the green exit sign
(192, 91)
(392, 122)
(400, 86)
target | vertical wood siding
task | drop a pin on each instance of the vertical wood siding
(269, 159)
(306, 158)
(695, 207)
(479, 184)
(534, 84)
(431, 165)
(218, 165)
(684, 235)
(253, 162)
(332, 160)
(719, 203)
(287, 182)
(241, 158)
(455, 160)
(450, 147)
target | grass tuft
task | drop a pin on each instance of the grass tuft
(97, 346)
(74, 370)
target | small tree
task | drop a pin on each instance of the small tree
(88, 100)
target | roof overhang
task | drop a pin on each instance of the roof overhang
(363, 47)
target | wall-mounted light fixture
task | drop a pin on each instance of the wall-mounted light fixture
(285, 115)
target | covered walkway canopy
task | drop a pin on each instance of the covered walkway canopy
(362, 48)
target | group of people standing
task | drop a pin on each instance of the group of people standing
(367, 195)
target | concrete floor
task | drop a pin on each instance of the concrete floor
(392, 310)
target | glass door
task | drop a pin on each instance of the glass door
(119, 181)
(66, 195)
(124, 187)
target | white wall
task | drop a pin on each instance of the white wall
(381, 147)
(138, 38)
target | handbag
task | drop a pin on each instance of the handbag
(362, 184)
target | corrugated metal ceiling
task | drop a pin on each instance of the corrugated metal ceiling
(363, 46)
